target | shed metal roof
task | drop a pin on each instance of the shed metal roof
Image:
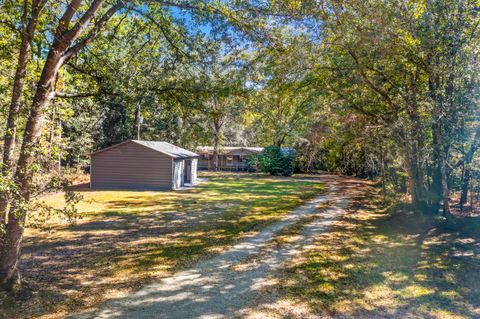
(161, 147)
(167, 148)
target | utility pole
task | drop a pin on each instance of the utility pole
(139, 121)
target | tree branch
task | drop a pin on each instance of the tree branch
(95, 30)
(179, 5)
(354, 106)
(369, 83)
(72, 34)
(65, 95)
(67, 17)
(82, 71)
(162, 29)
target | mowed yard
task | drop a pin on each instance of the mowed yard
(373, 262)
(126, 239)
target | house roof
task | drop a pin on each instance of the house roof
(229, 149)
(161, 147)
(239, 150)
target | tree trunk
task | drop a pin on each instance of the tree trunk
(10, 244)
(216, 141)
(54, 126)
(60, 150)
(28, 30)
(416, 187)
(414, 184)
(382, 173)
(11, 240)
(444, 180)
(471, 196)
(440, 183)
(467, 162)
(440, 187)
(279, 139)
(465, 187)
(436, 185)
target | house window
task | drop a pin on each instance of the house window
(229, 160)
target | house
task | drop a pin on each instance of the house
(146, 165)
(229, 158)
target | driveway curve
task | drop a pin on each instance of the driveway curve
(226, 285)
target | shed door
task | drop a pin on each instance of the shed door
(187, 174)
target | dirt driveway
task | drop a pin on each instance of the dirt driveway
(230, 283)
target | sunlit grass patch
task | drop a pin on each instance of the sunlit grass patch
(126, 239)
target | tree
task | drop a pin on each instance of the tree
(275, 161)
(218, 91)
(63, 47)
(408, 70)
(285, 95)
(78, 25)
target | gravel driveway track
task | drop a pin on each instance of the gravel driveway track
(226, 285)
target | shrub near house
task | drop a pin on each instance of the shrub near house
(276, 161)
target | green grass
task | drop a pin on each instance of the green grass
(388, 264)
(126, 239)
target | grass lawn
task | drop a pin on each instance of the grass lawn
(385, 264)
(127, 238)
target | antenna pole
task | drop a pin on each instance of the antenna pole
(139, 121)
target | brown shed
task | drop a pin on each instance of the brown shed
(145, 165)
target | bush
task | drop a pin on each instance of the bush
(275, 161)
(253, 164)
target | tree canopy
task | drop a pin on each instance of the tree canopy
(387, 90)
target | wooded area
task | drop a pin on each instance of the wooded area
(387, 90)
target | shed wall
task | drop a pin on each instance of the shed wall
(131, 166)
